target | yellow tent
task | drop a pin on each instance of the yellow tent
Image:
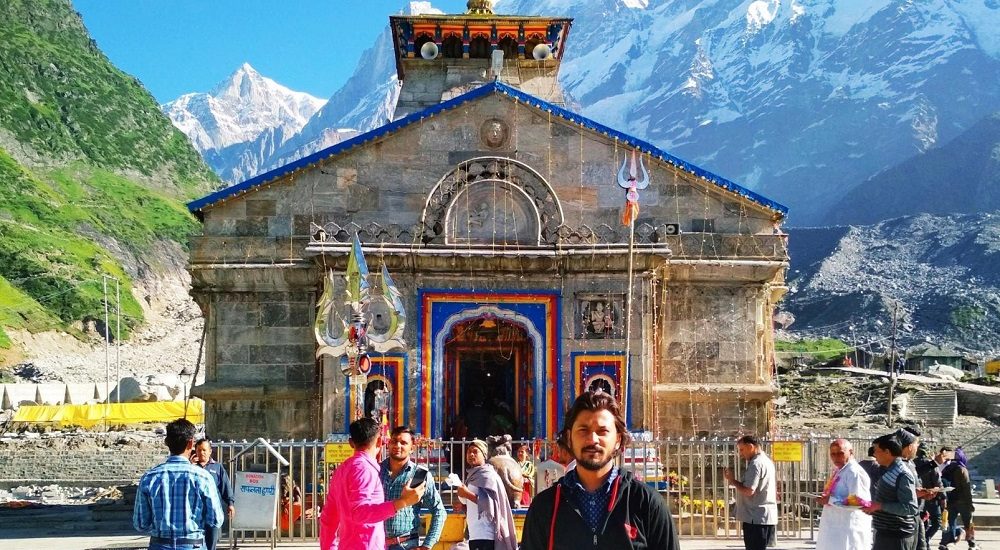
(88, 416)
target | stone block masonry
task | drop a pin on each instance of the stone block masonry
(78, 458)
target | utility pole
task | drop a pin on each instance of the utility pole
(118, 338)
(107, 353)
(892, 366)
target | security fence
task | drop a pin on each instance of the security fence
(687, 472)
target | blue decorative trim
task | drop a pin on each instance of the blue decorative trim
(484, 90)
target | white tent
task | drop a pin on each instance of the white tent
(14, 394)
(81, 394)
(50, 393)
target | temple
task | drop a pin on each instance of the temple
(536, 253)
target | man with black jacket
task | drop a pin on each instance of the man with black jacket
(596, 505)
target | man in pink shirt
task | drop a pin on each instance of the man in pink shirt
(355, 504)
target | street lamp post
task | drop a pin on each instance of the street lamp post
(185, 376)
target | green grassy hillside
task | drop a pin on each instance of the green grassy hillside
(91, 173)
(60, 96)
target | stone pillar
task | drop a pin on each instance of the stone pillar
(713, 376)
(261, 373)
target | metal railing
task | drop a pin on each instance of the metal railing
(298, 511)
(688, 473)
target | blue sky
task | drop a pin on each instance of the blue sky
(181, 46)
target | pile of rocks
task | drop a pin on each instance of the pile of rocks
(58, 494)
(821, 396)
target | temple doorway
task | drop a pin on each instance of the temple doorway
(490, 382)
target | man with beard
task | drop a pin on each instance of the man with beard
(756, 494)
(596, 505)
(842, 527)
(396, 473)
(355, 503)
(487, 509)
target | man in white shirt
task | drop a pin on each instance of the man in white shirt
(843, 526)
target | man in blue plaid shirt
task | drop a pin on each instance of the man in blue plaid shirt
(177, 500)
(401, 530)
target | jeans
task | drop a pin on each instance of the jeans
(155, 546)
(481, 544)
(405, 545)
(212, 536)
(954, 531)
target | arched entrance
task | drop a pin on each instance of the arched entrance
(489, 383)
(529, 319)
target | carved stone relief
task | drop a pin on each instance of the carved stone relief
(494, 133)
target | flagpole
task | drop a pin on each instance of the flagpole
(628, 180)
(628, 313)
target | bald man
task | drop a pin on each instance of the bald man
(843, 526)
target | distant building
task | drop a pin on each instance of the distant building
(920, 358)
(499, 215)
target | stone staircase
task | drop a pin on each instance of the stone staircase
(935, 408)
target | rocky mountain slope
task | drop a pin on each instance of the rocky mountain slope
(239, 125)
(939, 272)
(93, 179)
(961, 176)
(799, 100)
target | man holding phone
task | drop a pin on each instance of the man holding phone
(398, 471)
(356, 508)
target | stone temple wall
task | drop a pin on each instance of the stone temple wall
(257, 284)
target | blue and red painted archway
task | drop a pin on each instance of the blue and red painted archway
(538, 312)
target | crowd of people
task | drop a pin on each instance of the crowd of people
(896, 498)
(591, 501)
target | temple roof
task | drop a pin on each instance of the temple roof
(496, 87)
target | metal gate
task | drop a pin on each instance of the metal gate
(687, 472)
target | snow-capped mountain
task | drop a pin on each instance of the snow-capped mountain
(798, 99)
(365, 102)
(239, 124)
(801, 100)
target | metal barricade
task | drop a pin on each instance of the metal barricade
(302, 491)
(688, 473)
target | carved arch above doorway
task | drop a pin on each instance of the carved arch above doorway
(492, 200)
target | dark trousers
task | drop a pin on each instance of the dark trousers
(757, 537)
(921, 537)
(887, 541)
(933, 524)
(480, 545)
(212, 536)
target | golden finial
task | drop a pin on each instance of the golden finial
(480, 7)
